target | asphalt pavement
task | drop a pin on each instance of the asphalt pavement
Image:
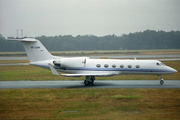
(96, 84)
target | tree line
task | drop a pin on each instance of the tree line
(148, 39)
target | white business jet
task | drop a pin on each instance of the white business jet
(90, 68)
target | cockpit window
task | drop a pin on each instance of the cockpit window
(162, 64)
(158, 64)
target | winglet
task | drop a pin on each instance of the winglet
(53, 70)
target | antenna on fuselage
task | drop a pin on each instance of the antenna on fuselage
(84, 62)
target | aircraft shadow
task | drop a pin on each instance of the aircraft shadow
(92, 85)
(109, 85)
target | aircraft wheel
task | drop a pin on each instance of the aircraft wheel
(161, 81)
(92, 77)
(86, 82)
(92, 80)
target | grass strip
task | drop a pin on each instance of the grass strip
(103, 52)
(90, 104)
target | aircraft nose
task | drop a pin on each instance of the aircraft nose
(173, 70)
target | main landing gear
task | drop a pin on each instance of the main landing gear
(89, 79)
(161, 80)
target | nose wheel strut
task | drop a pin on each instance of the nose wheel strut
(161, 80)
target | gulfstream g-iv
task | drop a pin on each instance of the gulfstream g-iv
(90, 68)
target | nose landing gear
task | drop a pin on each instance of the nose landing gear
(89, 79)
(161, 80)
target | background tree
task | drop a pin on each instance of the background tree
(148, 39)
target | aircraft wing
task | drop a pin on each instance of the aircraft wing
(55, 72)
(85, 74)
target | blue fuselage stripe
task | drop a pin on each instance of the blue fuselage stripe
(113, 69)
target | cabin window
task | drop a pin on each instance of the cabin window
(137, 66)
(121, 66)
(129, 66)
(98, 65)
(114, 66)
(106, 65)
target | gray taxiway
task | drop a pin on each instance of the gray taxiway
(96, 84)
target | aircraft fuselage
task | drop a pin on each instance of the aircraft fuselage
(85, 65)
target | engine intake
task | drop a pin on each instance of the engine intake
(56, 63)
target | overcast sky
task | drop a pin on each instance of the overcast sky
(84, 17)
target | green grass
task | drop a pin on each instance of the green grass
(126, 108)
(101, 52)
(90, 104)
(126, 97)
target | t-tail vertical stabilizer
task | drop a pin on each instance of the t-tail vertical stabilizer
(35, 49)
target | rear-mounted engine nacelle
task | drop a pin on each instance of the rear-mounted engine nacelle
(74, 62)
(56, 62)
(71, 62)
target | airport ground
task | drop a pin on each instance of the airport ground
(75, 103)
(103, 52)
(90, 104)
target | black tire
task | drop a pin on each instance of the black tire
(86, 82)
(92, 80)
(161, 82)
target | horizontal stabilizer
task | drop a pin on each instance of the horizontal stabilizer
(53, 70)
(24, 40)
